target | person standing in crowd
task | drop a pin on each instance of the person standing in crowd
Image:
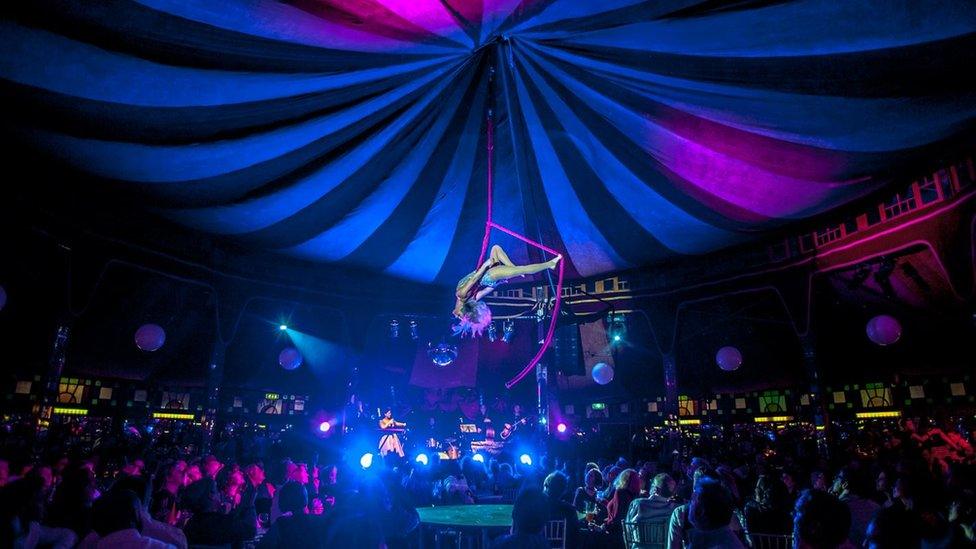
(165, 501)
(209, 525)
(148, 526)
(769, 510)
(820, 521)
(851, 486)
(193, 474)
(72, 504)
(264, 491)
(211, 467)
(295, 528)
(893, 528)
(22, 513)
(230, 482)
(116, 521)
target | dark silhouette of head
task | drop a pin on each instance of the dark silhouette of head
(555, 484)
(116, 511)
(530, 512)
(711, 505)
(820, 521)
(894, 527)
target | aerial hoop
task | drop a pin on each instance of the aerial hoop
(489, 225)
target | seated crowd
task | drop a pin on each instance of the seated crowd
(900, 489)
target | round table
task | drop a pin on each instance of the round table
(470, 518)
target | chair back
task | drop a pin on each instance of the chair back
(556, 533)
(508, 495)
(770, 541)
(645, 534)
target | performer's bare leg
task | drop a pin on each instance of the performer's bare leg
(504, 272)
(498, 255)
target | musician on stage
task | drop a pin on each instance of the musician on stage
(390, 442)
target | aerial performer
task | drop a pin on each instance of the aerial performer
(474, 314)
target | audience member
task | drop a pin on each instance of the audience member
(529, 515)
(851, 486)
(820, 521)
(116, 521)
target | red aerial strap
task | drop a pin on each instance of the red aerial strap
(489, 224)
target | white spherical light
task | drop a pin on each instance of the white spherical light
(602, 373)
(150, 337)
(289, 358)
(728, 358)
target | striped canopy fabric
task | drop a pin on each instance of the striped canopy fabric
(354, 132)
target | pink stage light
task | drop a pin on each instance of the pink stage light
(561, 427)
(325, 426)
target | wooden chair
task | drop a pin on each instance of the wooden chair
(645, 534)
(769, 541)
(556, 533)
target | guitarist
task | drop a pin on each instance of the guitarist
(519, 421)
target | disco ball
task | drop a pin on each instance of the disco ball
(442, 354)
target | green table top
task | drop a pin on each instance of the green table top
(468, 516)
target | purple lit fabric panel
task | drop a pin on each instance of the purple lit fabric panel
(352, 132)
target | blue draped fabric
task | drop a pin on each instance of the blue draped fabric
(353, 132)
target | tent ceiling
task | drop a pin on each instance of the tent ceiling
(353, 131)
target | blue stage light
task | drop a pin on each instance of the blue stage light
(422, 459)
(525, 459)
(283, 327)
(478, 457)
(366, 461)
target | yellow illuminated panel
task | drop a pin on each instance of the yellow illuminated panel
(689, 422)
(172, 415)
(772, 419)
(70, 411)
(877, 415)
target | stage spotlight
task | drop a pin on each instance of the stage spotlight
(414, 332)
(508, 330)
(394, 329)
(421, 459)
(324, 427)
(525, 459)
(492, 332)
(561, 427)
(478, 457)
(366, 461)
(616, 337)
